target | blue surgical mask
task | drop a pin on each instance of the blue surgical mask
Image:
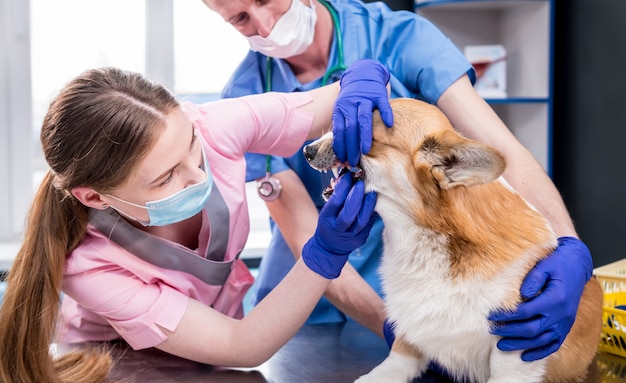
(177, 207)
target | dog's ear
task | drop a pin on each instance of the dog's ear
(456, 161)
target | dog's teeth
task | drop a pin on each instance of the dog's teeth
(335, 172)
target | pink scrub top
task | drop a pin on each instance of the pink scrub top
(109, 293)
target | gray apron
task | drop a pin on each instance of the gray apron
(211, 269)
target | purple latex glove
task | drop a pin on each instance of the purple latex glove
(551, 293)
(363, 88)
(344, 224)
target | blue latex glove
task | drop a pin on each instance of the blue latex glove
(388, 332)
(344, 224)
(551, 293)
(363, 88)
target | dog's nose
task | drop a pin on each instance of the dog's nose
(309, 152)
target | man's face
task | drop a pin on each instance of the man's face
(251, 17)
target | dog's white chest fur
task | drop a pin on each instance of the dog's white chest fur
(445, 317)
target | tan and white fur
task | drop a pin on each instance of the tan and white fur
(458, 242)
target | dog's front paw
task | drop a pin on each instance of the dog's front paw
(378, 375)
(366, 379)
(397, 368)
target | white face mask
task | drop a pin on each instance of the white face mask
(292, 34)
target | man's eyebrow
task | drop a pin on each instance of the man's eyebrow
(231, 18)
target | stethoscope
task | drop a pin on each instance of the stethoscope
(269, 187)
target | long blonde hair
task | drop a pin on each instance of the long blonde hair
(94, 134)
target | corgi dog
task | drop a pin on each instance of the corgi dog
(458, 242)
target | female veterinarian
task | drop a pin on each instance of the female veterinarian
(142, 216)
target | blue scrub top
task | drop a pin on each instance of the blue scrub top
(422, 63)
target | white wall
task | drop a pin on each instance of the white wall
(15, 117)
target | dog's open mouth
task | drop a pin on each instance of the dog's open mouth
(357, 174)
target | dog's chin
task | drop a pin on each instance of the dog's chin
(357, 174)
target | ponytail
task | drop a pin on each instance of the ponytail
(104, 116)
(28, 314)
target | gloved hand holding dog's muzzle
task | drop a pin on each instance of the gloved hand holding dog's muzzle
(363, 89)
(344, 224)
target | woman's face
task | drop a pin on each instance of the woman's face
(173, 163)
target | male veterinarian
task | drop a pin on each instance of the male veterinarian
(298, 45)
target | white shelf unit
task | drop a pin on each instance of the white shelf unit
(525, 29)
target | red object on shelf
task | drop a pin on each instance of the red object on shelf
(482, 66)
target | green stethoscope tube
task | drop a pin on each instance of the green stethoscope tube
(340, 66)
